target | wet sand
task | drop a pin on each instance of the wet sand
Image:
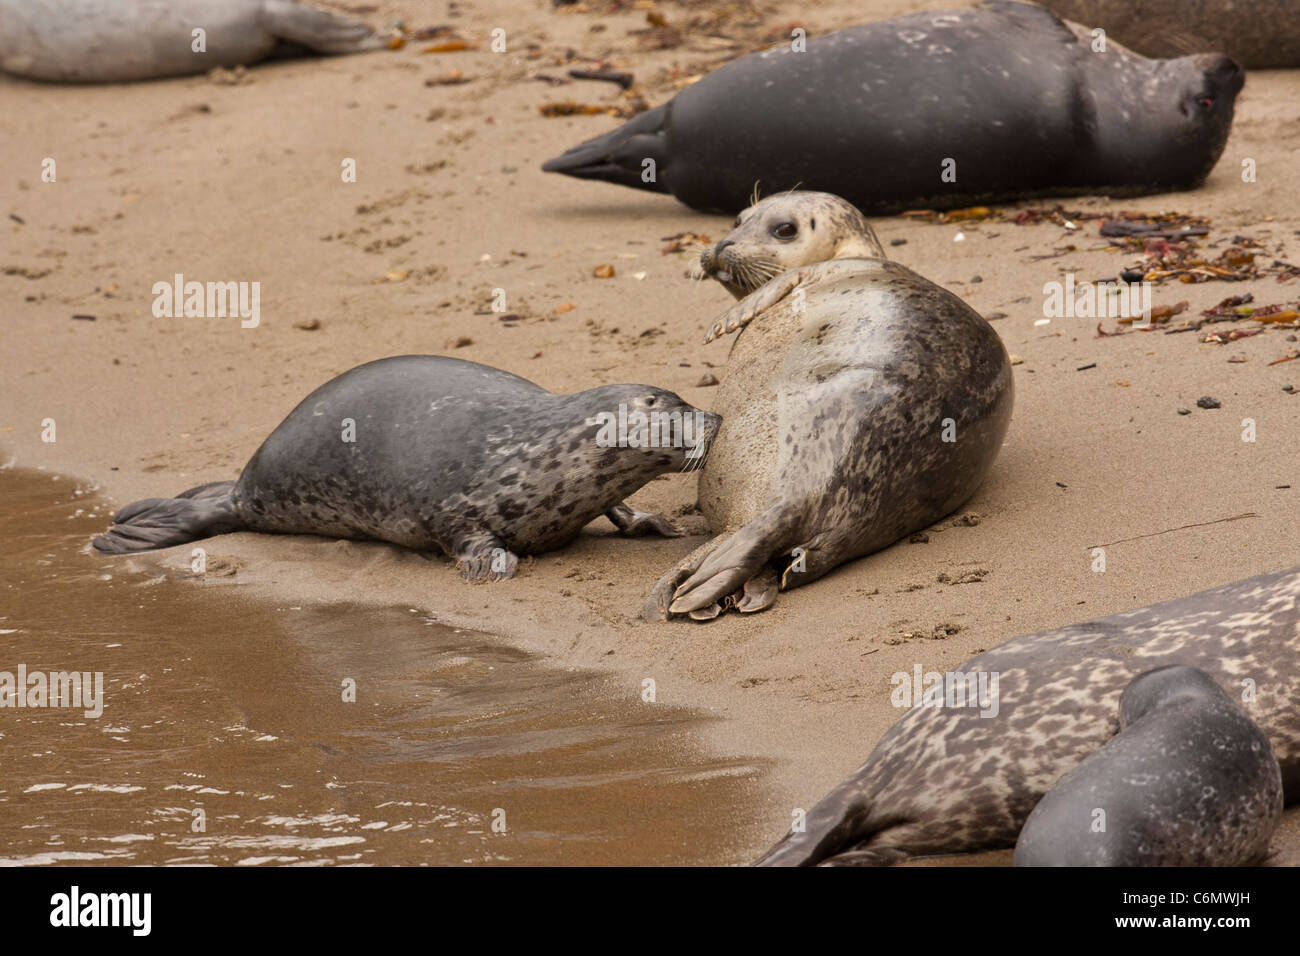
(234, 709)
(241, 182)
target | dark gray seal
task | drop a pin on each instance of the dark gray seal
(1259, 34)
(105, 41)
(1007, 96)
(445, 454)
(861, 402)
(946, 780)
(1190, 780)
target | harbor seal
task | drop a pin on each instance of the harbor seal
(90, 41)
(432, 453)
(1258, 35)
(947, 780)
(861, 402)
(937, 109)
(1190, 780)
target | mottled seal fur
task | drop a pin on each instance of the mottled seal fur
(1258, 34)
(946, 780)
(1190, 780)
(860, 403)
(1007, 91)
(94, 41)
(447, 455)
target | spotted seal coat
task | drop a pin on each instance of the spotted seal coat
(444, 455)
(946, 780)
(93, 41)
(935, 109)
(1258, 34)
(861, 403)
(1190, 780)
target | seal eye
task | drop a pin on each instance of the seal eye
(650, 400)
(736, 224)
(1207, 102)
(785, 231)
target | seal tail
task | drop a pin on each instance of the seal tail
(162, 522)
(620, 155)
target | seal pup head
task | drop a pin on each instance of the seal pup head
(640, 429)
(784, 232)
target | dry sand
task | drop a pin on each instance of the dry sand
(241, 182)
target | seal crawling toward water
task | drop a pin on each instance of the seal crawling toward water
(92, 41)
(861, 403)
(1189, 781)
(939, 109)
(948, 780)
(435, 453)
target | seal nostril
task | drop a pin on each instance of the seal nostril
(722, 244)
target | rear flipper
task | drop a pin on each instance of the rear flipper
(619, 156)
(317, 30)
(740, 570)
(162, 522)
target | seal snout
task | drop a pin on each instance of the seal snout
(1223, 73)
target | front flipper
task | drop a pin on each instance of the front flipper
(482, 556)
(633, 523)
(318, 30)
(776, 289)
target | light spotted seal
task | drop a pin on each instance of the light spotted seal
(941, 108)
(1190, 780)
(1258, 34)
(93, 41)
(861, 402)
(431, 453)
(947, 780)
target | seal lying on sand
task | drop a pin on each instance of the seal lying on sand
(93, 41)
(936, 109)
(1259, 34)
(862, 403)
(944, 779)
(1189, 781)
(436, 453)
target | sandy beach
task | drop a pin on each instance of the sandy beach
(238, 178)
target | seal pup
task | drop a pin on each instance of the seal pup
(1258, 35)
(432, 453)
(937, 109)
(946, 780)
(862, 403)
(1190, 780)
(92, 41)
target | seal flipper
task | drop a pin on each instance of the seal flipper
(320, 31)
(836, 823)
(736, 560)
(635, 523)
(482, 556)
(200, 512)
(619, 155)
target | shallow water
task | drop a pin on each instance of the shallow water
(217, 704)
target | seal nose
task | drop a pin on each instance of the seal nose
(722, 244)
(1223, 69)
